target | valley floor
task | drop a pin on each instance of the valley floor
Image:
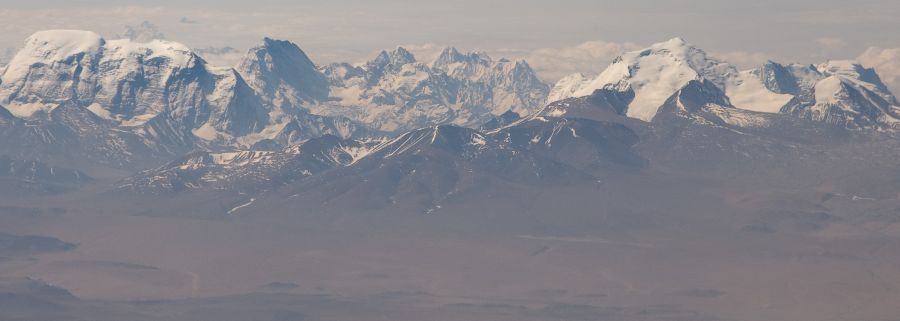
(715, 253)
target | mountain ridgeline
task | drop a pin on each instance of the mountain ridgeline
(74, 95)
(640, 84)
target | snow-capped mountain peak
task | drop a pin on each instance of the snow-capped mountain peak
(130, 101)
(180, 56)
(854, 71)
(281, 70)
(397, 57)
(57, 45)
(448, 56)
(60, 65)
(653, 74)
(121, 97)
(837, 92)
(72, 48)
(451, 55)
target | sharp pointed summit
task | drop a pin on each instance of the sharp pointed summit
(397, 57)
(280, 69)
(448, 56)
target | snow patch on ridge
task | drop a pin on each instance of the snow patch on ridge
(206, 132)
(234, 209)
(178, 54)
(566, 87)
(826, 91)
(738, 117)
(29, 110)
(98, 110)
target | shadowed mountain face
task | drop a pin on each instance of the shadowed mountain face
(278, 67)
(424, 168)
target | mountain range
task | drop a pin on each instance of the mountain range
(125, 101)
(641, 83)
(76, 99)
(142, 183)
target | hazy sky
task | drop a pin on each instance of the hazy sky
(561, 36)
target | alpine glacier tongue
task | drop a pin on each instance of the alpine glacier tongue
(771, 87)
(748, 90)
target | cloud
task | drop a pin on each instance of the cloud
(551, 64)
(743, 59)
(831, 43)
(358, 35)
(220, 56)
(144, 32)
(886, 62)
(590, 57)
(426, 52)
(6, 55)
(219, 27)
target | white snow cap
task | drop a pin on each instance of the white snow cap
(61, 44)
(849, 68)
(51, 46)
(75, 63)
(178, 54)
(654, 74)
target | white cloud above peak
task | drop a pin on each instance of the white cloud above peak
(886, 62)
(590, 57)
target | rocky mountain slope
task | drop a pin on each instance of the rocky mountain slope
(249, 170)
